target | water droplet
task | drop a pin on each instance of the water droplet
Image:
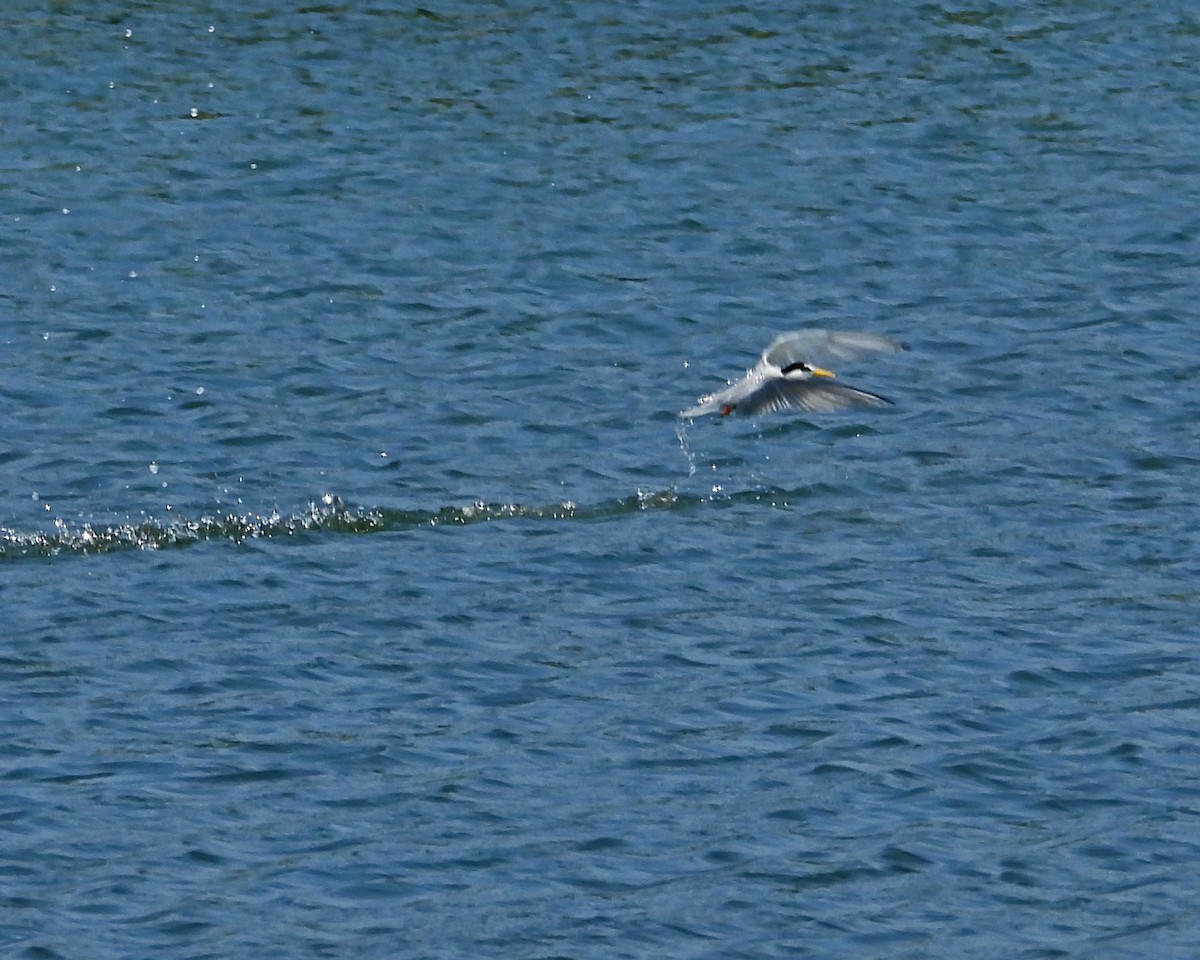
(153, 467)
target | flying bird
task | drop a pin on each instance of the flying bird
(787, 377)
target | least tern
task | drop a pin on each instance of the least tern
(786, 377)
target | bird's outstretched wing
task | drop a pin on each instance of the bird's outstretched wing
(813, 396)
(827, 347)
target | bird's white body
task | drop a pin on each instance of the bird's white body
(783, 378)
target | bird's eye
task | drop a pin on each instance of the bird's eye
(793, 367)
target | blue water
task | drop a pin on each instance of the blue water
(363, 595)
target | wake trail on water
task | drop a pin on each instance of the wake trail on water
(328, 514)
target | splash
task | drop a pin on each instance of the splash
(681, 433)
(327, 514)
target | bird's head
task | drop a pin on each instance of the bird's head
(801, 371)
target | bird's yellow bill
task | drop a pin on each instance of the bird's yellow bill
(821, 372)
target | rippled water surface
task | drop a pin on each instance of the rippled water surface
(363, 594)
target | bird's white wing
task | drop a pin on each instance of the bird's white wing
(731, 396)
(813, 396)
(830, 347)
(706, 405)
